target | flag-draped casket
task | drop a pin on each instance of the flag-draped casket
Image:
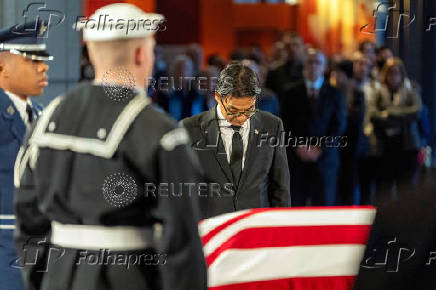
(286, 248)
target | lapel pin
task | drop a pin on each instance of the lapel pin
(11, 110)
(256, 132)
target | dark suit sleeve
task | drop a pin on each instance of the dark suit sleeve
(185, 265)
(32, 229)
(279, 188)
(270, 80)
(339, 121)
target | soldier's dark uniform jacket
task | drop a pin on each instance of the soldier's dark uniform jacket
(84, 166)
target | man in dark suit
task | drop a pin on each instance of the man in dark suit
(291, 69)
(22, 74)
(313, 114)
(401, 249)
(232, 141)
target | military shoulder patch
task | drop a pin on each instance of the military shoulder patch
(173, 138)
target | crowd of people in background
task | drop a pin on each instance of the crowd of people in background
(370, 115)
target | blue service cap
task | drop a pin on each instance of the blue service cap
(26, 39)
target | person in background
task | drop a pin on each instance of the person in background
(383, 53)
(340, 74)
(160, 72)
(207, 81)
(23, 75)
(185, 99)
(238, 54)
(277, 54)
(195, 53)
(357, 91)
(367, 48)
(394, 115)
(291, 69)
(217, 61)
(267, 99)
(314, 111)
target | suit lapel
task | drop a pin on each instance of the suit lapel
(214, 142)
(36, 111)
(10, 114)
(252, 148)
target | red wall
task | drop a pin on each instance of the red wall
(225, 25)
(217, 25)
(183, 24)
(91, 5)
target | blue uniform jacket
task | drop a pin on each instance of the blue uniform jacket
(12, 131)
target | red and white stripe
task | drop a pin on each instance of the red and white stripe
(286, 248)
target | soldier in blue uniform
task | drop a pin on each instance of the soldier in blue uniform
(22, 75)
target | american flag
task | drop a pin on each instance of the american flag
(286, 248)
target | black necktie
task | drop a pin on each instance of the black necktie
(236, 157)
(312, 95)
(29, 113)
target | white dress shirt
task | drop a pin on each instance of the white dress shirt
(20, 105)
(227, 135)
(316, 85)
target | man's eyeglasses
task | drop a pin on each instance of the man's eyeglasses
(248, 113)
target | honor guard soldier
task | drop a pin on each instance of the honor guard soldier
(22, 76)
(84, 220)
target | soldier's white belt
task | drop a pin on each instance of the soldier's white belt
(117, 238)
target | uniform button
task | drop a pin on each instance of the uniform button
(52, 126)
(11, 110)
(101, 133)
